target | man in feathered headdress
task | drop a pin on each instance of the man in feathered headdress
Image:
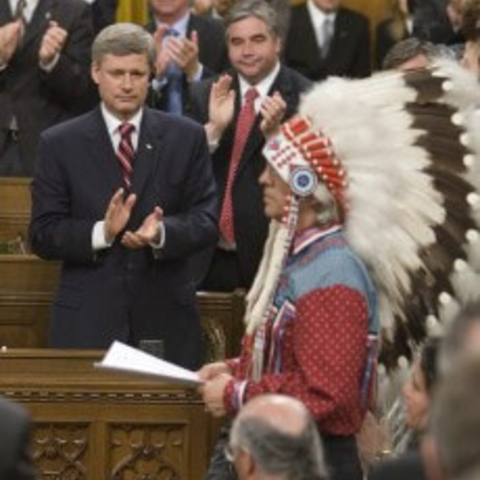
(373, 217)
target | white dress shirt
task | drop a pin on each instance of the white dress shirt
(29, 8)
(318, 18)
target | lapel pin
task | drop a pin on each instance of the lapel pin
(149, 147)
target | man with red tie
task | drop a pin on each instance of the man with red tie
(236, 110)
(122, 196)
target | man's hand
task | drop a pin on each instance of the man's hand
(184, 52)
(212, 370)
(163, 57)
(52, 44)
(118, 214)
(272, 111)
(9, 39)
(221, 107)
(148, 233)
(212, 393)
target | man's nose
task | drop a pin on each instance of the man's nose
(127, 82)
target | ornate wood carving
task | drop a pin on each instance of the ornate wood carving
(60, 450)
(147, 452)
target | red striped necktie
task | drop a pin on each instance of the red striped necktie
(125, 153)
(245, 122)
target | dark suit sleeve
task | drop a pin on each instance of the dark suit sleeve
(362, 65)
(54, 234)
(70, 78)
(195, 227)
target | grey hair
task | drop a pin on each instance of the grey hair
(296, 457)
(326, 206)
(260, 9)
(455, 419)
(408, 49)
(456, 336)
(124, 39)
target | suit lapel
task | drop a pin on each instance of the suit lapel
(101, 151)
(149, 153)
(341, 36)
(5, 12)
(39, 22)
(309, 40)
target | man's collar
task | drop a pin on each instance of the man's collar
(180, 25)
(263, 87)
(112, 122)
(317, 15)
(304, 238)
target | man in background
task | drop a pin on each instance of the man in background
(44, 74)
(327, 39)
(236, 109)
(190, 48)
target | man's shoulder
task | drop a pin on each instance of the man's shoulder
(12, 412)
(206, 23)
(298, 81)
(163, 121)
(77, 124)
(352, 16)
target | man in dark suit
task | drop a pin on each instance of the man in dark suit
(253, 40)
(190, 48)
(103, 13)
(326, 39)
(15, 460)
(44, 64)
(125, 250)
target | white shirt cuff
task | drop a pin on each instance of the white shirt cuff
(161, 242)
(99, 242)
(48, 67)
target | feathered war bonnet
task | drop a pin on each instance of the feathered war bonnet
(399, 154)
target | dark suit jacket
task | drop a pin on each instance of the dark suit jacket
(212, 53)
(15, 460)
(250, 222)
(385, 41)
(349, 54)
(118, 293)
(103, 13)
(39, 99)
(408, 466)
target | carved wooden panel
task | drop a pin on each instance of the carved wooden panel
(149, 452)
(60, 450)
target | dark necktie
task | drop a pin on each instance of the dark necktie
(327, 33)
(174, 76)
(244, 125)
(20, 15)
(125, 153)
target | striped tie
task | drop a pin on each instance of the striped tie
(125, 153)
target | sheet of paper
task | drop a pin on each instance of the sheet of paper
(131, 360)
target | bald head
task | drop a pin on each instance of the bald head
(278, 435)
(285, 414)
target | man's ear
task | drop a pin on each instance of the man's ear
(94, 69)
(431, 459)
(245, 465)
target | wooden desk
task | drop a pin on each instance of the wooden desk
(96, 425)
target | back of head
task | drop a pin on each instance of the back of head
(124, 39)
(455, 420)
(281, 437)
(462, 335)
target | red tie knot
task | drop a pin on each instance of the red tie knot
(251, 95)
(126, 129)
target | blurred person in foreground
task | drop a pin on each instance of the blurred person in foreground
(15, 456)
(274, 437)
